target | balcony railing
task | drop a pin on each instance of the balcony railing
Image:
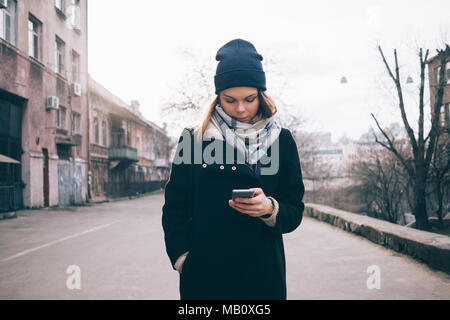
(161, 163)
(128, 188)
(123, 153)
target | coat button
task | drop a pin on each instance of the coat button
(233, 168)
(204, 165)
(222, 167)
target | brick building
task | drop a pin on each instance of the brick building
(434, 66)
(441, 161)
(43, 103)
(128, 153)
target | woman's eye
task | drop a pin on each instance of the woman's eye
(245, 100)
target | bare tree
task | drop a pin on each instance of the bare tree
(190, 93)
(418, 165)
(314, 168)
(195, 91)
(381, 183)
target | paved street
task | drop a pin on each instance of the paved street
(120, 251)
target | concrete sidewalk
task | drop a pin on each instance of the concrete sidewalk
(428, 247)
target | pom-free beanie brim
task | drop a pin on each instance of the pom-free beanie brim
(240, 78)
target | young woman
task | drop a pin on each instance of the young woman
(224, 248)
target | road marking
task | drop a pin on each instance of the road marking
(59, 240)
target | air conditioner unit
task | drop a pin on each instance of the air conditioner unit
(3, 3)
(52, 103)
(76, 89)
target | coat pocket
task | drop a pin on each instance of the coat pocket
(186, 288)
(183, 265)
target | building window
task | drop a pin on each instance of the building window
(436, 74)
(59, 56)
(444, 117)
(129, 133)
(75, 14)
(75, 67)
(137, 144)
(104, 133)
(8, 22)
(96, 131)
(76, 123)
(59, 5)
(61, 117)
(34, 37)
(446, 73)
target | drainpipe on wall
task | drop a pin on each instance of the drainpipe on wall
(89, 172)
(88, 95)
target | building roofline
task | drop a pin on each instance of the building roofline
(100, 90)
(430, 60)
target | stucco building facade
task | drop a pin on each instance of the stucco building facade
(43, 103)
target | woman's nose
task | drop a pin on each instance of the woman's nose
(240, 107)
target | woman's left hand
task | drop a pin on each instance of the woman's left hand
(255, 207)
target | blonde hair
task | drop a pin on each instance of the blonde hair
(267, 109)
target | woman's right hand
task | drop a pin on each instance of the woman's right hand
(180, 262)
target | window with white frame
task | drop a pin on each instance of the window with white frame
(59, 4)
(34, 37)
(8, 22)
(61, 117)
(76, 123)
(59, 56)
(75, 67)
(75, 14)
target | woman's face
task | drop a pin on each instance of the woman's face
(241, 103)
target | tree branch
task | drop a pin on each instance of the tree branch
(396, 80)
(392, 148)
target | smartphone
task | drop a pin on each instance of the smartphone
(242, 193)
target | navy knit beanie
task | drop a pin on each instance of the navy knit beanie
(239, 66)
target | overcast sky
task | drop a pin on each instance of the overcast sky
(135, 45)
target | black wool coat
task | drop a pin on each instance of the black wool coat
(231, 255)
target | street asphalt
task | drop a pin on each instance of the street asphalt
(115, 250)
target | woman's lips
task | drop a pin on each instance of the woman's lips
(242, 119)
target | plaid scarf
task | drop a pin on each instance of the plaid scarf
(252, 140)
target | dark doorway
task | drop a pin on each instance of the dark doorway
(11, 184)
